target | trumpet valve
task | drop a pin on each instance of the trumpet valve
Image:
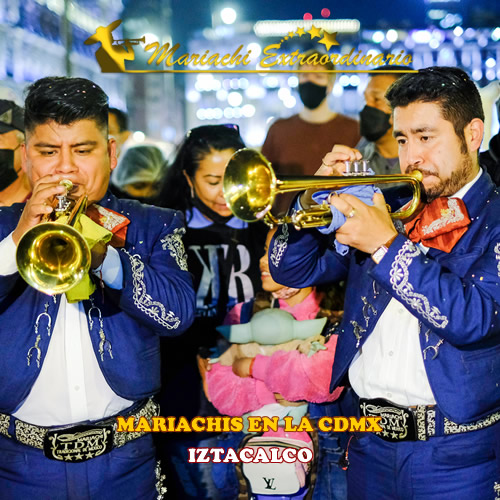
(62, 199)
(357, 167)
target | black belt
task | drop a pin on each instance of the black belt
(415, 423)
(77, 443)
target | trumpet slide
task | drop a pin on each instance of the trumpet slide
(251, 185)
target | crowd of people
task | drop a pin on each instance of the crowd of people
(187, 311)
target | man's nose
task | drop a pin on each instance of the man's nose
(66, 163)
(413, 154)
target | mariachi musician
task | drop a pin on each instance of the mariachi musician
(71, 362)
(420, 337)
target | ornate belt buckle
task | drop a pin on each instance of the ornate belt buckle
(78, 443)
(397, 422)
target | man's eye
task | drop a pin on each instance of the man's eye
(401, 142)
(425, 138)
(83, 151)
(47, 153)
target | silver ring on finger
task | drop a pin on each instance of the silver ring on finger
(351, 214)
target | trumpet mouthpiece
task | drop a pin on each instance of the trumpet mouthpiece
(67, 184)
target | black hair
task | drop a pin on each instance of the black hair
(450, 88)
(198, 143)
(65, 100)
(387, 68)
(121, 118)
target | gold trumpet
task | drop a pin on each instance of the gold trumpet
(250, 187)
(53, 256)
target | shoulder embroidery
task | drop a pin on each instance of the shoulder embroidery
(279, 247)
(399, 280)
(144, 301)
(173, 242)
(109, 218)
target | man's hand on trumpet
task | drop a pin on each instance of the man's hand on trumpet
(366, 227)
(40, 203)
(332, 164)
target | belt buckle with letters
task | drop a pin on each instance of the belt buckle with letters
(397, 422)
(78, 443)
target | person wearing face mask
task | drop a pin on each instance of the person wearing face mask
(223, 255)
(378, 145)
(14, 184)
(296, 145)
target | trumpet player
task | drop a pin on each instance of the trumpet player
(420, 339)
(71, 363)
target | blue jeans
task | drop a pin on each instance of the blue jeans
(224, 474)
(191, 481)
(126, 473)
(331, 480)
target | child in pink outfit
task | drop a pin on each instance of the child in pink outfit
(283, 377)
(293, 375)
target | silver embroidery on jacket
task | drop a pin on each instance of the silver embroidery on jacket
(497, 256)
(175, 246)
(38, 336)
(104, 343)
(399, 281)
(4, 425)
(144, 301)
(279, 247)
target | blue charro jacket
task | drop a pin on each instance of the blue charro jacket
(157, 299)
(455, 296)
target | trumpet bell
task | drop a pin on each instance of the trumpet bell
(249, 185)
(53, 257)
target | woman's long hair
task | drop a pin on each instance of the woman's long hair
(198, 143)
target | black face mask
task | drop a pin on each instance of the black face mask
(373, 123)
(7, 173)
(208, 212)
(311, 95)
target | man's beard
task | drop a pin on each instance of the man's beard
(447, 187)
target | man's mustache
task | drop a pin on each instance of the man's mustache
(425, 171)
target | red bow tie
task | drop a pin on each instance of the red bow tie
(440, 224)
(112, 221)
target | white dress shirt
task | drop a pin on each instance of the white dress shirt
(390, 365)
(70, 387)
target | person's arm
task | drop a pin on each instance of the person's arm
(304, 258)
(298, 377)
(233, 395)
(462, 310)
(157, 287)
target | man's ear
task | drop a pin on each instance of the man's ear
(474, 134)
(24, 158)
(112, 153)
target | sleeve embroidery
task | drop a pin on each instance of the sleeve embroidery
(144, 301)
(399, 280)
(175, 246)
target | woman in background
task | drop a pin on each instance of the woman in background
(223, 257)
